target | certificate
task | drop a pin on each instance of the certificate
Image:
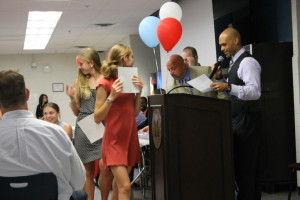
(201, 83)
(125, 74)
(91, 129)
(57, 87)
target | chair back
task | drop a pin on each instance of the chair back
(33, 187)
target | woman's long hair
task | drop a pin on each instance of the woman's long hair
(41, 99)
(82, 86)
(115, 58)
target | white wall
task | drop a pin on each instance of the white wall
(125, 41)
(144, 60)
(296, 64)
(63, 70)
(197, 31)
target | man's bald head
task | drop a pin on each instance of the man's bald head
(175, 59)
(230, 41)
(232, 33)
(176, 66)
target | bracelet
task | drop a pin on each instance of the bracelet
(109, 100)
(228, 88)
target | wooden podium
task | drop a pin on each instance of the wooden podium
(190, 147)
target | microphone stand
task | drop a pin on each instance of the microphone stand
(180, 87)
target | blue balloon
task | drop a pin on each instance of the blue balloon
(148, 31)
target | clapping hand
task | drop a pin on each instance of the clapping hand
(70, 91)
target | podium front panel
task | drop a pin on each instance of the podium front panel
(194, 157)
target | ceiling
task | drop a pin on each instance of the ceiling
(76, 27)
(224, 7)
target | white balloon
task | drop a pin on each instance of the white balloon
(170, 9)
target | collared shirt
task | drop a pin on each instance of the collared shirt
(249, 71)
(140, 118)
(30, 146)
(186, 78)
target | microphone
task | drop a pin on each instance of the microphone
(188, 86)
(220, 60)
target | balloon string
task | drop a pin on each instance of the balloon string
(156, 68)
(155, 60)
(167, 74)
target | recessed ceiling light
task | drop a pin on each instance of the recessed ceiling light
(53, 0)
(40, 26)
(81, 47)
(104, 24)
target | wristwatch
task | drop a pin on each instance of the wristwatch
(228, 88)
(109, 100)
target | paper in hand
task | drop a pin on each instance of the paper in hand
(201, 83)
(125, 74)
(91, 129)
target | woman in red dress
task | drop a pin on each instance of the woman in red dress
(120, 147)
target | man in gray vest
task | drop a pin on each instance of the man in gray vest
(243, 87)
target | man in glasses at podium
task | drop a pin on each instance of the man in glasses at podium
(182, 73)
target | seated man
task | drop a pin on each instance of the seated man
(30, 146)
(182, 74)
(142, 118)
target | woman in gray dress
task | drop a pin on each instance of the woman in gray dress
(83, 96)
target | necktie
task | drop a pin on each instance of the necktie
(182, 82)
(230, 64)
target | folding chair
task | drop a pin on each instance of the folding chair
(143, 169)
(293, 167)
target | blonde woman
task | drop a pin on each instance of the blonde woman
(120, 150)
(82, 96)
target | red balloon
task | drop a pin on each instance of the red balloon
(169, 31)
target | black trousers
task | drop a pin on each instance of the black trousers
(246, 158)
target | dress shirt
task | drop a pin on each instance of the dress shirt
(186, 78)
(30, 146)
(249, 71)
(140, 118)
